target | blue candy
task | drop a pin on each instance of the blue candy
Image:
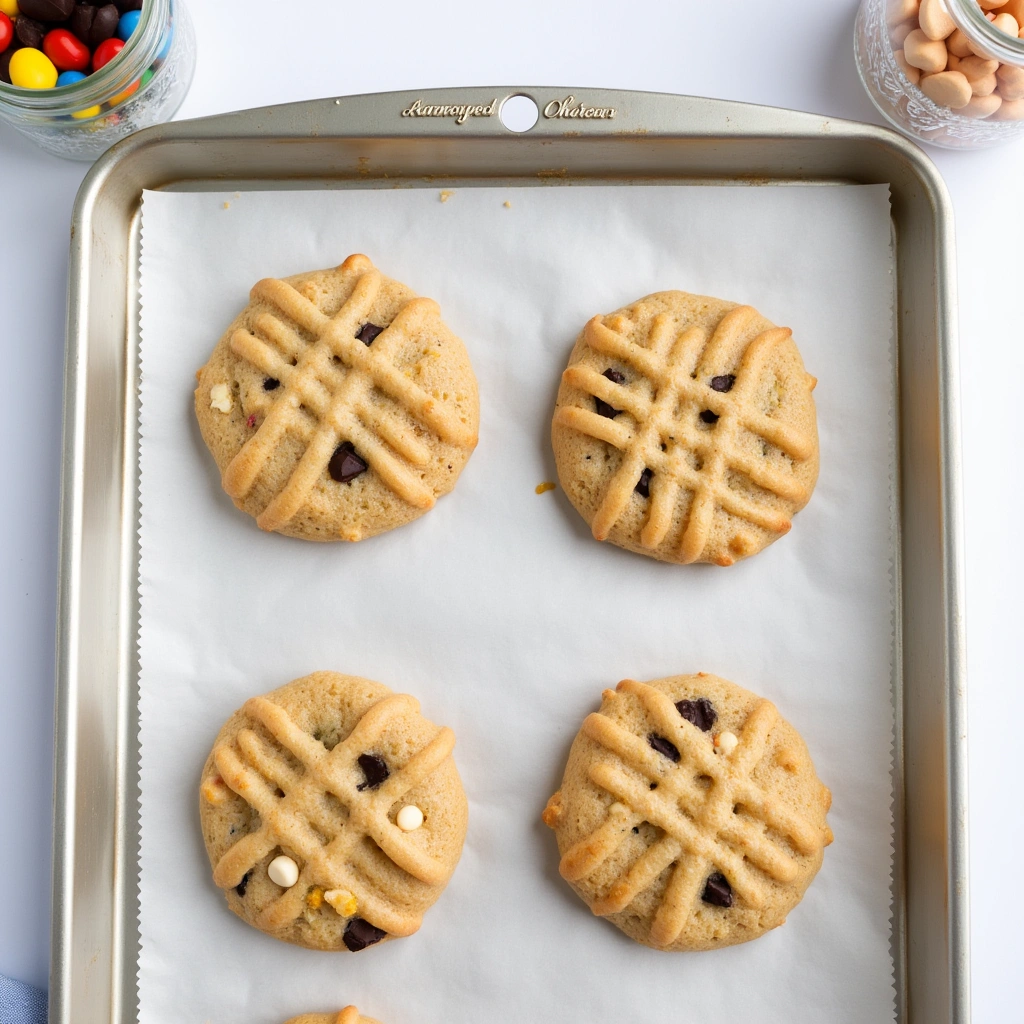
(128, 24)
(69, 78)
(165, 48)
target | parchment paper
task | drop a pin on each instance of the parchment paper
(501, 613)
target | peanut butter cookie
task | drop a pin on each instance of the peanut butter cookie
(338, 405)
(332, 812)
(690, 815)
(685, 429)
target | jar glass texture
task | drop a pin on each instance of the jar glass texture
(143, 85)
(903, 103)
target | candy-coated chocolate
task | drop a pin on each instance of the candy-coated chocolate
(6, 32)
(47, 10)
(66, 52)
(5, 65)
(81, 21)
(32, 69)
(122, 96)
(30, 32)
(166, 47)
(147, 76)
(10, 8)
(81, 115)
(104, 25)
(69, 78)
(128, 24)
(106, 52)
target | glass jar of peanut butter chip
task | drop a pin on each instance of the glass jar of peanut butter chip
(948, 72)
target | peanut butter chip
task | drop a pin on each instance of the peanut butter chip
(342, 901)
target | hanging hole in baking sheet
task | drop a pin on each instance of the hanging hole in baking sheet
(518, 113)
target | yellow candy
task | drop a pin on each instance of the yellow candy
(81, 115)
(10, 8)
(32, 69)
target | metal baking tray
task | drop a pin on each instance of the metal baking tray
(456, 136)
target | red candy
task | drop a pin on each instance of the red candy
(67, 52)
(106, 52)
(6, 32)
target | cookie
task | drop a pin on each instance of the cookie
(350, 1015)
(685, 429)
(690, 815)
(332, 812)
(338, 404)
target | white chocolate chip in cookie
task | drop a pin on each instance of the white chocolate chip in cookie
(410, 817)
(283, 871)
(726, 743)
(342, 901)
(220, 398)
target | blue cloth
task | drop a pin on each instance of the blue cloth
(21, 1004)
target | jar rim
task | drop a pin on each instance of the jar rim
(138, 54)
(996, 44)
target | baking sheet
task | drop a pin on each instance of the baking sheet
(502, 615)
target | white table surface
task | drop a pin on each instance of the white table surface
(255, 52)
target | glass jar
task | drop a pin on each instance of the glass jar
(142, 86)
(988, 118)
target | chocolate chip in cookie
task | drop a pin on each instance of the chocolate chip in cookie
(603, 408)
(717, 891)
(663, 746)
(345, 464)
(359, 934)
(375, 769)
(368, 332)
(699, 712)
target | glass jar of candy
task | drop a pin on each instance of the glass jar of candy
(143, 84)
(948, 72)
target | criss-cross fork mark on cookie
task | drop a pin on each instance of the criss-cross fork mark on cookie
(680, 370)
(701, 832)
(326, 390)
(328, 846)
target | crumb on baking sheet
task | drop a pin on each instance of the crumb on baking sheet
(446, 194)
(548, 485)
(226, 206)
(507, 204)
